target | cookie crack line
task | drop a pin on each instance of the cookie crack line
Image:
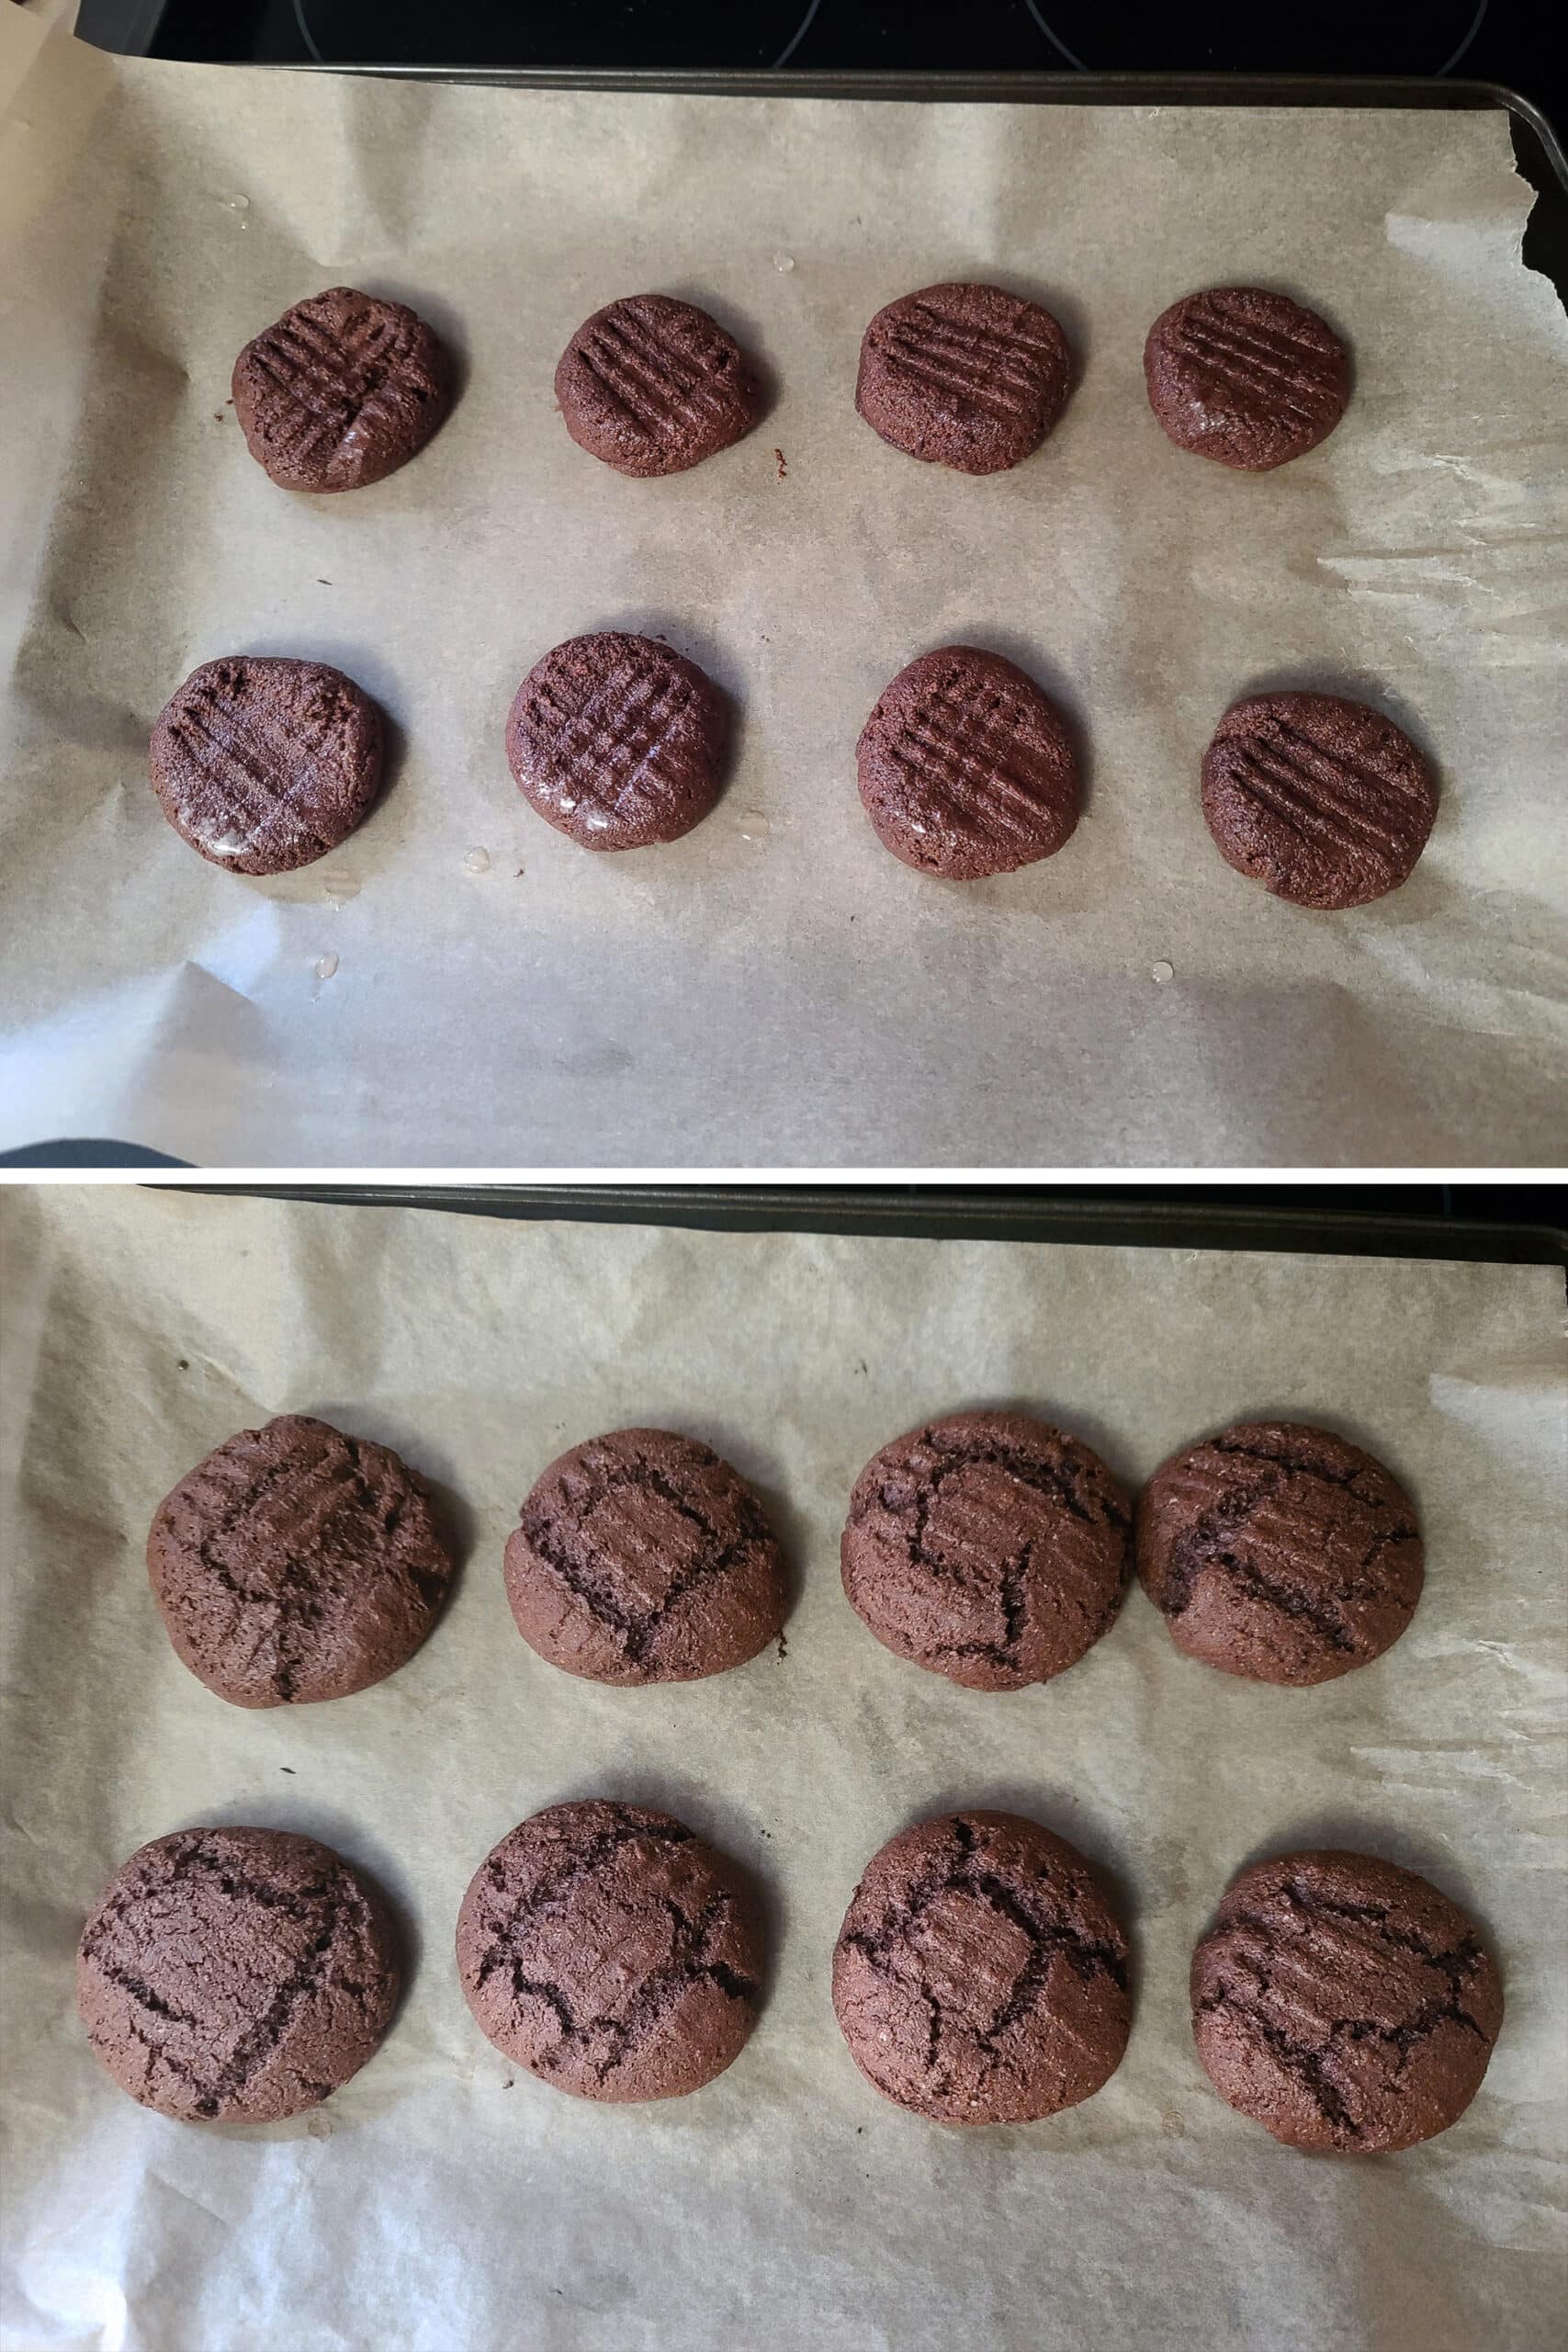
(1304, 2065)
(659, 1993)
(1314, 1471)
(1455, 1963)
(1059, 1483)
(321, 1907)
(909, 1493)
(1062, 1481)
(1410, 2033)
(1247, 1577)
(539, 1988)
(881, 1946)
(1207, 1544)
(635, 1630)
(140, 1992)
(891, 1953)
(317, 1489)
(241, 1885)
(266, 2035)
(1465, 1955)
(601, 1846)
(157, 2056)
(1312, 1915)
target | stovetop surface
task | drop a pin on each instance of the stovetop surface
(1490, 40)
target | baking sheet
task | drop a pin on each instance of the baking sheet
(448, 2203)
(775, 990)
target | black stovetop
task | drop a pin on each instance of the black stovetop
(1501, 41)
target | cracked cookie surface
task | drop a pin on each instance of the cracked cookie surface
(989, 1547)
(1343, 2003)
(611, 1951)
(980, 1975)
(295, 1563)
(235, 1975)
(642, 1557)
(1280, 1552)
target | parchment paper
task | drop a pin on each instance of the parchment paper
(445, 2201)
(775, 990)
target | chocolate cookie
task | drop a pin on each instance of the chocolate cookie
(235, 1975)
(1280, 1552)
(964, 767)
(618, 741)
(295, 1563)
(987, 1547)
(642, 1557)
(653, 386)
(609, 1950)
(965, 376)
(1245, 376)
(980, 1976)
(1323, 801)
(1343, 2003)
(264, 765)
(341, 391)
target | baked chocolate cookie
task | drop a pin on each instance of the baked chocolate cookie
(609, 1950)
(1248, 378)
(618, 741)
(980, 1975)
(966, 768)
(643, 1557)
(1280, 1552)
(295, 1563)
(1344, 2003)
(653, 386)
(987, 1547)
(1323, 801)
(341, 391)
(235, 1975)
(264, 765)
(970, 377)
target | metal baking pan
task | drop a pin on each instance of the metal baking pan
(1542, 156)
(927, 1212)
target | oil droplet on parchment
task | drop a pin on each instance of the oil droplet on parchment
(1161, 972)
(783, 263)
(477, 862)
(752, 826)
(338, 888)
(321, 970)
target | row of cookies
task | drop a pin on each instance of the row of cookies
(980, 1975)
(296, 1563)
(345, 388)
(965, 767)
